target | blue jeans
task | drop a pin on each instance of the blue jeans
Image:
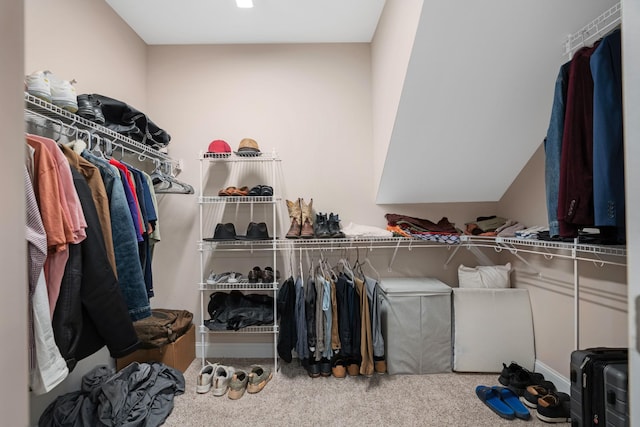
(553, 148)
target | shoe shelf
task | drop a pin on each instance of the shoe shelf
(237, 245)
(261, 167)
(242, 285)
(232, 157)
(265, 329)
(237, 199)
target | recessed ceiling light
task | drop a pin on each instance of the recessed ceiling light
(245, 4)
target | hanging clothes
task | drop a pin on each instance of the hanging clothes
(302, 344)
(335, 334)
(608, 148)
(125, 241)
(366, 342)
(376, 323)
(100, 199)
(286, 300)
(47, 368)
(93, 312)
(575, 195)
(55, 216)
(553, 148)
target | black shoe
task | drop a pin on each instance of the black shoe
(255, 275)
(267, 275)
(554, 408)
(518, 378)
(89, 108)
(333, 223)
(313, 369)
(325, 367)
(321, 226)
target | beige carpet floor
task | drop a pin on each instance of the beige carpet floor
(292, 398)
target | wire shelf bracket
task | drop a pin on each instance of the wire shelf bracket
(593, 30)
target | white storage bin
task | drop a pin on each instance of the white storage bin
(416, 323)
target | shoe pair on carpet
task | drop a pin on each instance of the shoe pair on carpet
(529, 388)
(221, 378)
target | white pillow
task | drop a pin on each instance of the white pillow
(490, 276)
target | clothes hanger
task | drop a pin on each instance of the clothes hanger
(367, 261)
(97, 148)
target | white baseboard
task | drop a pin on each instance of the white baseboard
(562, 384)
(235, 350)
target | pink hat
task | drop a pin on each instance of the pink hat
(219, 146)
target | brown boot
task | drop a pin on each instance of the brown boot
(307, 225)
(295, 213)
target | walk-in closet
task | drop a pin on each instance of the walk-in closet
(415, 135)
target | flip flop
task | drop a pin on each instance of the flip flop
(511, 399)
(491, 398)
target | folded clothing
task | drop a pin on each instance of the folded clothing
(420, 225)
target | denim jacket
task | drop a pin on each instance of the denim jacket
(125, 242)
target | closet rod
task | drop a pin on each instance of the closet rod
(593, 30)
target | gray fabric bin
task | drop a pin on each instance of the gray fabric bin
(416, 323)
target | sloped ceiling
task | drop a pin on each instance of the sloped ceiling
(477, 97)
(477, 93)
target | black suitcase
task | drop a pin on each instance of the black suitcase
(587, 384)
(616, 386)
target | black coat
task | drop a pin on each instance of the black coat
(91, 311)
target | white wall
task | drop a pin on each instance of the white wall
(390, 52)
(13, 304)
(476, 98)
(86, 41)
(631, 65)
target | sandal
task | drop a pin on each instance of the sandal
(227, 191)
(242, 191)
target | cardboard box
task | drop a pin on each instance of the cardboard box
(178, 354)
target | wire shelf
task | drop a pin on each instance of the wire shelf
(242, 285)
(593, 30)
(237, 199)
(232, 157)
(269, 329)
(58, 114)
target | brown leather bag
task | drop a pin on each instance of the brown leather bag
(164, 326)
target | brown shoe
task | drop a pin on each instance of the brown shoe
(380, 366)
(295, 213)
(339, 370)
(307, 223)
(353, 369)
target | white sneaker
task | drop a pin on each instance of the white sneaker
(221, 378)
(205, 376)
(63, 94)
(38, 85)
